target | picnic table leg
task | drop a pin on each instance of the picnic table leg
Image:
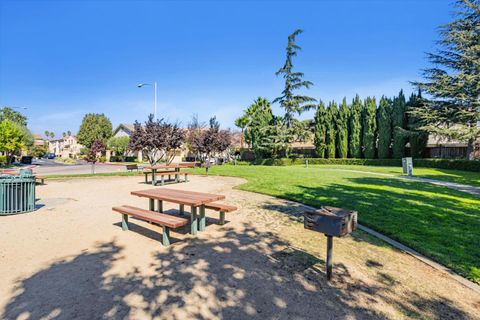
(151, 205)
(201, 226)
(222, 218)
(193, 220)
(162, 180)
(154, 180)
(124, 222)
(146, 176)
(166, 236)
(160, 206)
(182, 208)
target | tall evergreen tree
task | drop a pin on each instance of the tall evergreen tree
(289, 101)
(355, 128)
(398, 124)
(342, 130)
(369, 127)
(320, 130)
(418, 138)
(384, 124)
(331, 116)
(454, 81)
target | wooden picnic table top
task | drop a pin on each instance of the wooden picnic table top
(189, 198)
(170, 166)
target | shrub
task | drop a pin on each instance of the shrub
(102, 159)
(466, 165)
(3, 161)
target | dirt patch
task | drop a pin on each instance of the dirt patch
(71, 259)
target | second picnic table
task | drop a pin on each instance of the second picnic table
(176, 168)
(196, 200)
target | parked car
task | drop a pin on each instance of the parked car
(50, 156)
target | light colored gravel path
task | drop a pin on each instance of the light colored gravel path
(71, 260)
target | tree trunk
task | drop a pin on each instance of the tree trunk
(471, 148)
(93, 167)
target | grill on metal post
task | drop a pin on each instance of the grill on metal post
(333, 222)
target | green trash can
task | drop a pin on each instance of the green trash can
(17, 194)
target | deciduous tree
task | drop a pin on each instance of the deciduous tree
(94, 127)
(11, 138)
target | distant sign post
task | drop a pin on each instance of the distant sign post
(407, 164)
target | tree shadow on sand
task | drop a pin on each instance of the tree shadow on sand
(235, 275)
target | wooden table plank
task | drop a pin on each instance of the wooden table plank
(189, 198)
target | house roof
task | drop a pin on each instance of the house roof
(129, 128)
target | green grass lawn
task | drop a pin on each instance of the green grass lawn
(463, 177)
(441, 223)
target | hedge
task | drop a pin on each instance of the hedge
(466, 165)
(3, 161)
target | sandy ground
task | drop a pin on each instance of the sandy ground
(71, 260)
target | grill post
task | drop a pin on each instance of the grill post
(329, 256)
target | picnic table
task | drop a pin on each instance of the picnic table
(176, 168)
(196, 200)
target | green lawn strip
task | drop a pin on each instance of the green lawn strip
(441, 223)
(463, 177)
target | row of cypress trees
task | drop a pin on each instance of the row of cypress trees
(365, 130)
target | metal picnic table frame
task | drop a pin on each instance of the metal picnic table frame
(196, 201)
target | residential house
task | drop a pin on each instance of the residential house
(66, 147)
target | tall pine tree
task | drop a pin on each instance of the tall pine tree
(331, 129)
(369, 127)
(320, 130)
(398, 125)
(342, 130)
(289, 101)
(355, 128)
(454, 81)
(384, 124)
(418, 138)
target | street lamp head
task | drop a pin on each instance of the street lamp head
(143, 84)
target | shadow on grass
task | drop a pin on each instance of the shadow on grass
(445, 227)
(243, 274)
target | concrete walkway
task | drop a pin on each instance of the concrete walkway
(452, 185)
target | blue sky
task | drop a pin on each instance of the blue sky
(62, 59)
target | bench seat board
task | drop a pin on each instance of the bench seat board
(220, 207)
(155, 217)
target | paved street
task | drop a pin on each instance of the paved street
(50, 167)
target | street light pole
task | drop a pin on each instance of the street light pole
(155, 96)
(155, 109)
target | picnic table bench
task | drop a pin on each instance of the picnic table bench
(131, 167)
(153, 170)
(165, 220)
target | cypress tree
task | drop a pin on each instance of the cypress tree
(355, 128)
(418, 138)
(384, 124)
(342, 130)
(398, 124)
(330, 129)
(369, 127)
(320, 130)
